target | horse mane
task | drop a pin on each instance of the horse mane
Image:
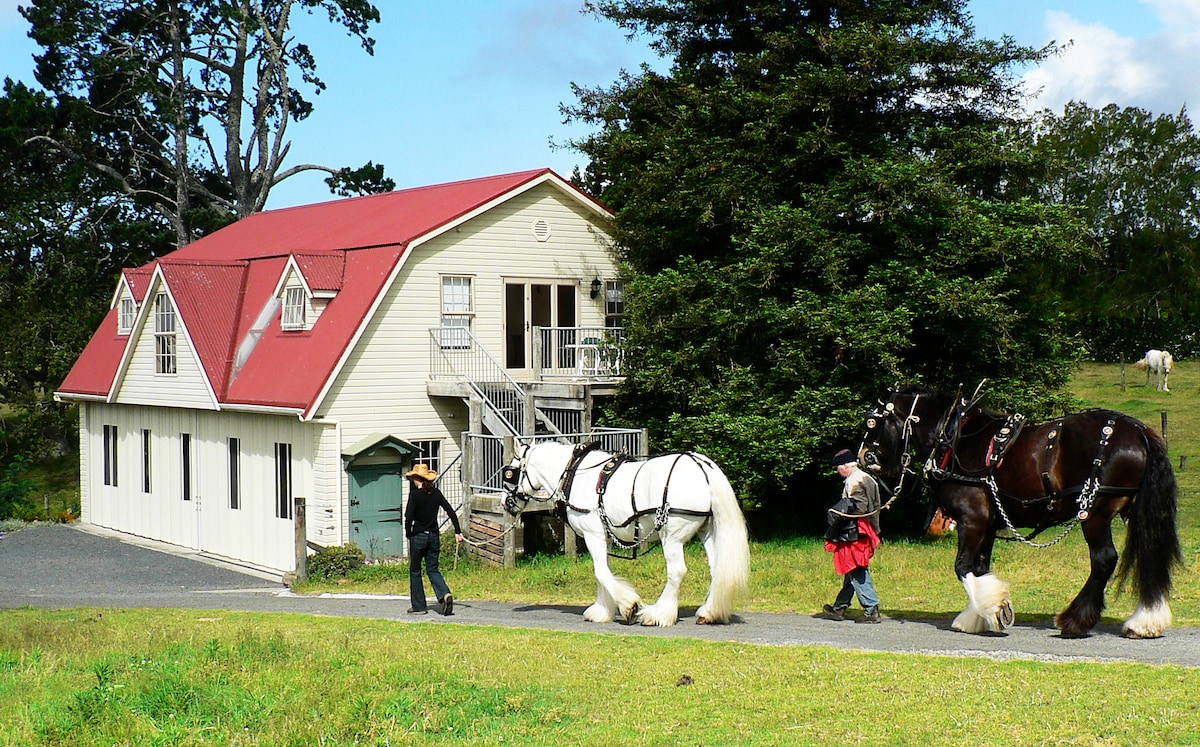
(944, 399)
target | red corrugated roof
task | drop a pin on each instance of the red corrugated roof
(93, 373)
(322, 271)
(354, 223)
(223, 282)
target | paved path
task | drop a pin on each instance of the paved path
(55, 566)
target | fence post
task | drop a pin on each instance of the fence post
(301, 539)
(1164, 426)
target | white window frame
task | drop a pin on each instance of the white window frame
(429, 453)
(165, 350)
(457, 310)
(128, 312)
(235, 473)
(295, 303)
(147, 461)
(185, 464)
(614, 304)
(110, 455)
(283, 480)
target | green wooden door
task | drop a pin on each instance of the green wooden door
(376, 510)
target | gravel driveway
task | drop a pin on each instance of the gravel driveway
(58, 566)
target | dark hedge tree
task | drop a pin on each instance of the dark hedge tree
(817, 200)
(191, 99)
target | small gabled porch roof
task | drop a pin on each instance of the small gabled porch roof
(373, 443)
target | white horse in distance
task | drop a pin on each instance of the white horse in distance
(1158, 365)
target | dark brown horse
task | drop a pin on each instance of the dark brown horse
(989, 471)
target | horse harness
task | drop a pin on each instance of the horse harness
(609, 468)
(1085, 494)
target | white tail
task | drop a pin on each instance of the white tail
(729, 555)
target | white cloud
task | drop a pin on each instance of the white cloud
(1176, 13)
(1102, 66)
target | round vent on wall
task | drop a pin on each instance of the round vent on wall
(541, 230)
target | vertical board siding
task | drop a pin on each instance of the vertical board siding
(251, 534)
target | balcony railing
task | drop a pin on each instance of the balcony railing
(577, 352)
(486, 452)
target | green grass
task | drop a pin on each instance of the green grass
(181, 677)
(142, 677)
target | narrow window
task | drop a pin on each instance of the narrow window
(283, 481)
(185, 440)
(146, 462)
(235, 473)
(614, 304)
(164, 335)
(128, 312)
(294, 302)
(457, 312)
(110, 455)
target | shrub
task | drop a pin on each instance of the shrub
(15, 487)
(336, 560)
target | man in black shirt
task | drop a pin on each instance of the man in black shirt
(424, 540)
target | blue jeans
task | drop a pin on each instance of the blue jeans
(858, 581)
(425, 546)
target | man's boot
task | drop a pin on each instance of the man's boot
(834, 613)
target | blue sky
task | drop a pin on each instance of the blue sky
(470, 88)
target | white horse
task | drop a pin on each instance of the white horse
(1158, 365)
(674, 496)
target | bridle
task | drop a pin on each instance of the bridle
(886, 413)
(511, 477)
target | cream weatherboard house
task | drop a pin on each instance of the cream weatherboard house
(318, 351)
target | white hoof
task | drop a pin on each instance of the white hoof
(989, 608)
(658, 617)
(598, 613)
(1148, 622)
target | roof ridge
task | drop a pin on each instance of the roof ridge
(531, 173)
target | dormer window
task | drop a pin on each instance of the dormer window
(294, 304)
(127, 315)
(164, 335)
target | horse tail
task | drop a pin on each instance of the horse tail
(731, 562)
(1152, 549)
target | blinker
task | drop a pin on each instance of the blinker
(510, 475)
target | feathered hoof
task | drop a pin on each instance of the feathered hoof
(1148, 622)
(598, 614)
(706, 616)
(653, 619)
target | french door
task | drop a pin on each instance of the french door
(534, 303)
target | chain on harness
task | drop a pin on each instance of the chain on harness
(1087, 495)
(662, 512)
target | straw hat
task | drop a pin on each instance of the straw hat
(422, 471)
